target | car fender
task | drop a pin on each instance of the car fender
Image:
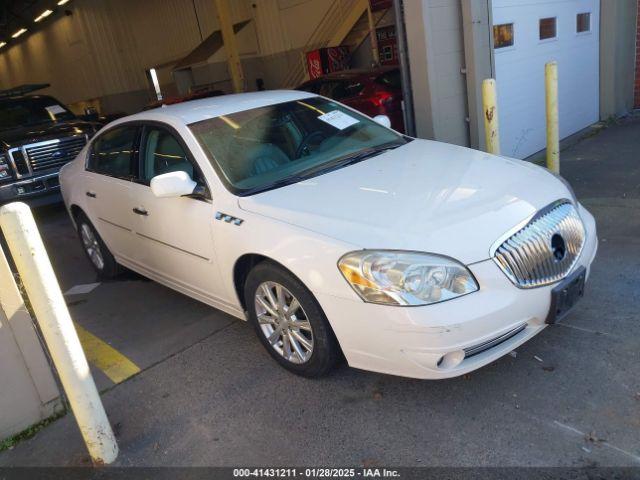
(311, 257)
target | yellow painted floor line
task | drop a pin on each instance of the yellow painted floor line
(103, 356)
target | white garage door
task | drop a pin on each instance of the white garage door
(527, 34)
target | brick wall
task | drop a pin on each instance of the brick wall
(637, 84)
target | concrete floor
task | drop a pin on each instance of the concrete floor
(210, 395)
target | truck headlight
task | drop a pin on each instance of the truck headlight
(393, 277)
(5, 172)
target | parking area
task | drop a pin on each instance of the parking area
(184, 384)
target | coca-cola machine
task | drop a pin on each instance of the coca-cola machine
(327, 60)
(387, 45)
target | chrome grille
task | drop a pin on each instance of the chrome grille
(545, 250)
(54, 153)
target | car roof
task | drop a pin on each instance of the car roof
(351, 74)
(202, 109)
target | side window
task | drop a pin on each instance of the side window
(326, 89)
(162, 153)
(312, 87)
(113, 153)
(347, 90)
(390, 79)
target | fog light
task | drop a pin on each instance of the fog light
(451, 360)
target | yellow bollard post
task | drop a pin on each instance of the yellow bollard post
(490, 109)
(553, 135)
(41, 285)
(230, 45)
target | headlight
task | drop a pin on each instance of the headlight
(395, 277)
(4, 168)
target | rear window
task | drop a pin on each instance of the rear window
(390, 79)
(347, 89)
(27, 111)
(113, 153)
(310, 87)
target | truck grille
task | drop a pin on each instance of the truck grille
(54, 153)
(545, 250)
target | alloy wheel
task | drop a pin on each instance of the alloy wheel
(91, 246)
(283, 322)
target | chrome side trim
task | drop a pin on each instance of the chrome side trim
(481, 347)
(173, 247)
(114, 224)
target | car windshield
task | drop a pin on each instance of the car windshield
(267, 147)
(25, 111)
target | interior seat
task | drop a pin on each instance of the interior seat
(265, 157)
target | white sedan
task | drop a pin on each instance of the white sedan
(333, 234)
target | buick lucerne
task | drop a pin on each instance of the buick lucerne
(332, 234)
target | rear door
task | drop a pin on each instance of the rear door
(111, 167)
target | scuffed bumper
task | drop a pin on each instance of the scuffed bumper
(429, 342)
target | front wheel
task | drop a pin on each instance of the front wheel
(289, 322)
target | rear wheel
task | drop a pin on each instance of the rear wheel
(102, 261)
(289, 322)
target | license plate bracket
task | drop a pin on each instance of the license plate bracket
(566, 294)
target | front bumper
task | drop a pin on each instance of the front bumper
(35, 191)
(429, 342)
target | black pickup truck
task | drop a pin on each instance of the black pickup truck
(38, 135)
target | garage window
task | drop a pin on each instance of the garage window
(503, 35)
(547, 28)
(583, 22)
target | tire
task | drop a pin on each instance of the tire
(101, 259)
(307, 322)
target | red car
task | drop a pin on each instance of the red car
(184, 98)
(372, 92)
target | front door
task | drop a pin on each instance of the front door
(174, 235)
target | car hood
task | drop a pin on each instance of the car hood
(15, 137)
(424, 196)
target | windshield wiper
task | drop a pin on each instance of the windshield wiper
(335, 164)
(270, 186)
(349, 159)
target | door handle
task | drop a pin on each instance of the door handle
(140, 211)
(91, 194)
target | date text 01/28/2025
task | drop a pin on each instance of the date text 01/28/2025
(315, 473)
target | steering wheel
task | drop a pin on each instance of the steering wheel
(304, 144)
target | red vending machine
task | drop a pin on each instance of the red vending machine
(327, 60)
(387, 45)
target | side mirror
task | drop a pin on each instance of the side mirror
(172, 184)
(382, 120)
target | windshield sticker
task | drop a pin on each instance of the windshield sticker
(338, 119)
(55, 109)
